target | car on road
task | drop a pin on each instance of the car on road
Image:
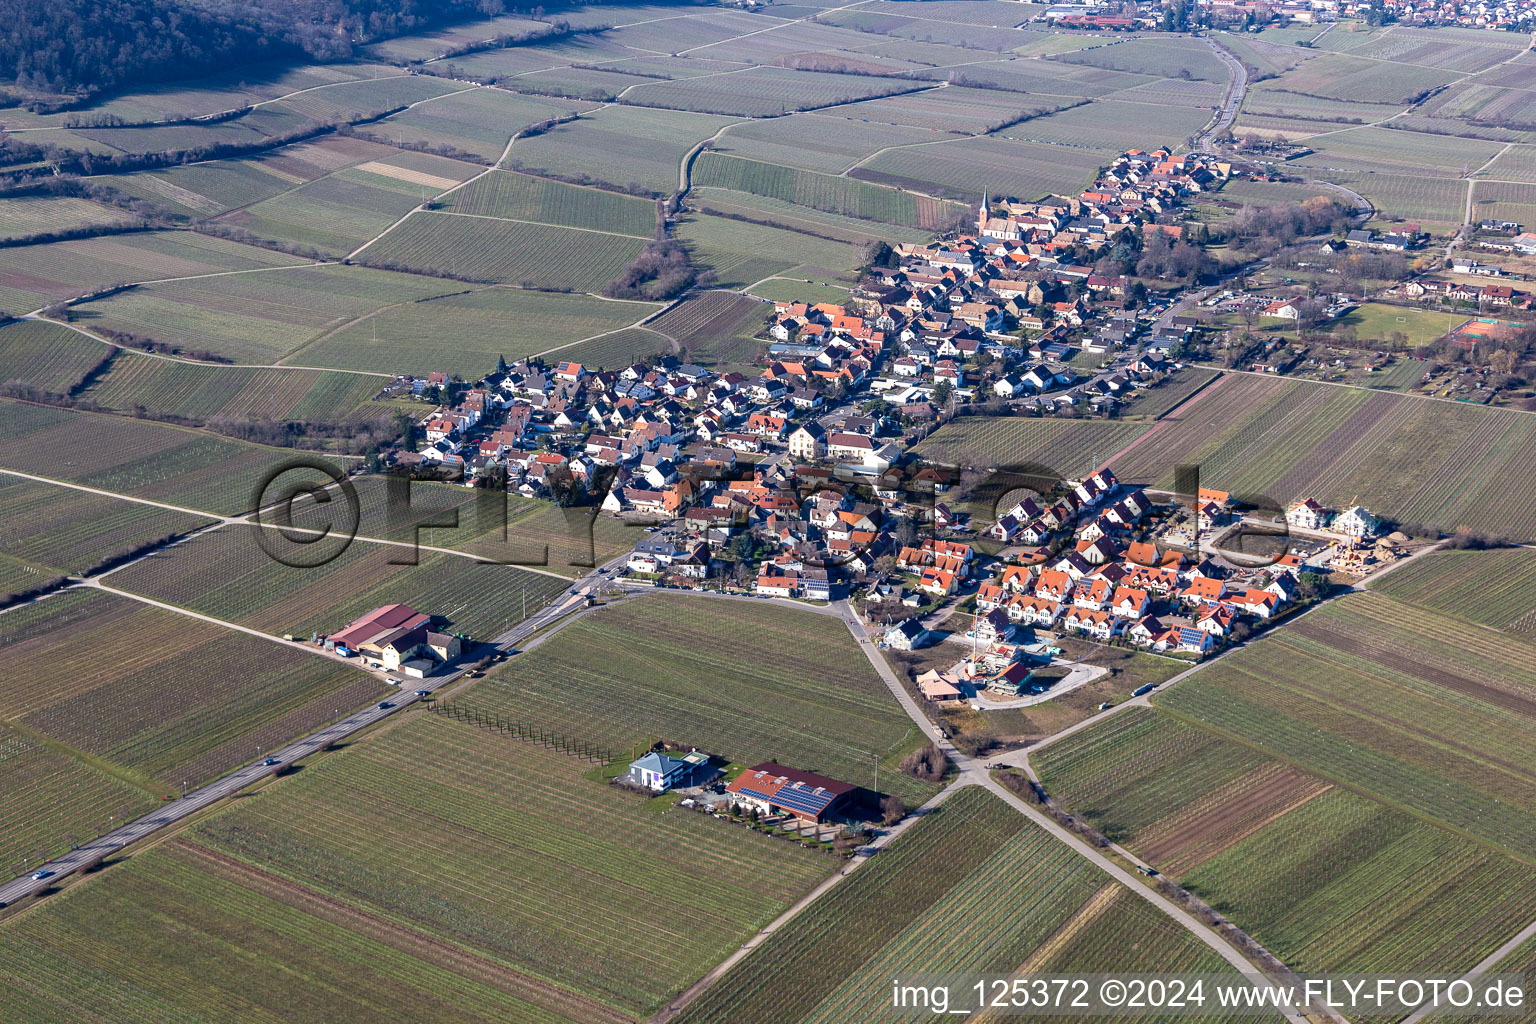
(269, 762)
(423, 693)
(1105, 706)
(385, 705)
(40, 875)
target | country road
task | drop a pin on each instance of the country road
(176, 811)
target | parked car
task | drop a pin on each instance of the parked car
(392, 681)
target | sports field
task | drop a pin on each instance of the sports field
(771, 683)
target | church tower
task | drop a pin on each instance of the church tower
(984, 215)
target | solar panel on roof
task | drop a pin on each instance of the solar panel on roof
(807, 801)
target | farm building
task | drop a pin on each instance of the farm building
(771, 788)
(396, 638)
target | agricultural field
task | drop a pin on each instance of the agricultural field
(618, 146)
(1430, 201)
(844, 196)
(1492, 588)
(1503, 200)
(32, 276)
(209, 188)
(47, 356)
(1160, 57)
(1293, 858)
(514, 196)
(208, 95)
(742, 253)
(368, 925)
(506, 252)
(339, 212)
(175, 465)
(24, 216)
(201, 391)
(51, 800)
(1010, 900)
(429, 45)
(477, 121)
(727, 203)
(73, 531)
(955, 109)
(822, 141)
(160, 698)
(228, 574)
(1280, 102)
(617, 349)
(1154, 403)
(715, 329)
(966, 168)
(1389, 151)
(1455, 49)
(256, 318)
(775, 683)
(760, 92)
(1068, 446)
(1343, 77)
(1101, 125)
(1404, 457)
(1517, 163)
(1381, 697)
(465, 331)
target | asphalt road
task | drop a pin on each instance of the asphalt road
(173, 811)
(176, 810)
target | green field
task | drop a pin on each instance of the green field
(477, 121)
(741, 253)
(32, 276)
(47, 356)
(67, 530)
(24, 216)
(1493, 588)
(201, 391)
(836, 143)
(1377, 321)
(506, 252)
(1296, 860)
(965, 168)
(619, 146)
(785, 684)
(257, 318)
(162, 698)
(1382, 697)
(762, 92)
(254, 590)
(464, 332)
(1070, 447)
(971, 887)
(147, 460)
(302, 896)
(1404, 457)
(52, 801)
(524, 197)
(827, 192)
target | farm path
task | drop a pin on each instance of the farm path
(279, 365)
(217, 115)
(191, 803)
(638, 325)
